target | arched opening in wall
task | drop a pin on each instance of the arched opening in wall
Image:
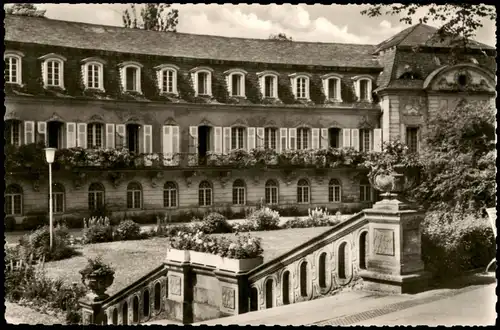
(462, 80)
(363, 247)
(341, 261)
(286, 288)
(105, 320)
(303, 279)
(204, 143)
(269, 293)
(322, 270)
(115, 316)
(125, 314)
(55, 134)
(145, 303)
(135, 309)
(254, 296)
(157, 297)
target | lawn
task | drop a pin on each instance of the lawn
(133, 259)
(17, 314)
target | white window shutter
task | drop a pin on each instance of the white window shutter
(70, 135)
(260, 137)
(325, 88)
(227, 139)
(123, 78)
(293, 82)
(229, 84)
(110, 136)
(194, 78)
(120, 136)
(275, 87)
(166, 141)
(346, 137)
(29, 132)
(218, 140)
(282, 145)
(82, 135)
(176, 148)
(262, 83)
(42, 131)
(324, 138)
(193, 137)
(243, 90)
(159, 79)
(377, 139)
(357, 90)
(315, 138)
(251, 138)
(355, 138)
(308, 83)
(209, 83)
(148, 141)
(403, 133)
(292, 138)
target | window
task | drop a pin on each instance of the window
(170, 194)
(271, 192)
(365, 141)
(334, 191)
(235, 80)
(96, 196)
(54, 73)
(236, 85)
(205, 194)
(412, 139)
(270, 138)
(133, 131)
(303, 191)
(93, 73)
(167, 78)
(302, 138)
(365, 191)
(13, 67)
(269, 86)
(13, 200)
(334, 137)
(55, 134)
(134, 196)
(95, 133)
(239, 192)
(203, 81)
(334, 89)
(237, 140)
(301, 89)
(364, 90)
(57, 198)
(13, 132)
(131, 76)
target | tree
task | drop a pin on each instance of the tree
(153, 16)
(460, 20)
(280, 37)
(458, 157)
(24, 9)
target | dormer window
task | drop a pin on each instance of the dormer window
(300, 85)
(363, 86)
(13, 67)
(167, 78)
(268, 84)
(202, 81)
(332, 87)
(53, 70)
(131, 77)
(235, 80)
(93, 73)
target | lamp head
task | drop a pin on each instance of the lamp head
(50, 154)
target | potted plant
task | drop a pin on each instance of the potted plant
(97, 276)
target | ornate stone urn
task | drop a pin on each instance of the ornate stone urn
(98, 284)
(392, 185)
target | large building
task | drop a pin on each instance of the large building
(184, 102)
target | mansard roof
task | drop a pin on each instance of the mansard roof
(44, 31)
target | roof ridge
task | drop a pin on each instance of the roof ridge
(184, 33)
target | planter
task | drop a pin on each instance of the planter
(206, 259)
(240, 265)
(98, 285)
(178, 255)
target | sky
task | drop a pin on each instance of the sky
(323, 23)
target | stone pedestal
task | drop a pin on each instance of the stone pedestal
(394, 263)
(180, 292)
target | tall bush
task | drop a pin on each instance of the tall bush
(38, 244)
(97, 230)
(215, 223)
(127, 230)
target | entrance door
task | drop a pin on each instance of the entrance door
(55, 134)
(203, 143)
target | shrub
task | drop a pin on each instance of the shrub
(35, 220)
(96, 267)
(264, 219)
(97, 230)
(10, 223)
(127, 230)
(215, 223)
(72, 221)
(38, 244)
(456, 242)
(316, 218)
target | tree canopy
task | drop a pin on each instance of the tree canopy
(280, 37)
(24, 9)
(153, 16)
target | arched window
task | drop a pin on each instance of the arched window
(269, 293)
(135, 310)
(342, 260)
(205, 194)
(130, 73)
(93, 73)
(332, 87)
(268, 81)
(170, 194)
(300, 85)
(303, 279)
(134, 196)
(286, 287)
(125, 313)
(363, 249)
(322, 270)
(145, 304)
(364, 89)
(13, 200)
(303, 191)
(365, 190)
(236, 82)
(58, 198)
(167, 78)
(95, 135)
(96, 196)
(202, 80)
(53, 70)
(334, 191)
(239, 192)
(13, 67)
(157, 297)
(271, 192)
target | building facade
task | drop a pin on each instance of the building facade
(186, 103)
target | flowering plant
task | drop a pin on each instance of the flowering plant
(264, 219)
(96, 267)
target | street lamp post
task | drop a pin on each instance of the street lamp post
(49, 156)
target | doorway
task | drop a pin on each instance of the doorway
(55, 134)
(133, 138)
(204, 143)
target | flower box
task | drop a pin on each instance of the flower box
(239, 265)
(178, 255)
(206, 259)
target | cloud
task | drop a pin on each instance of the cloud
(385, 24)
